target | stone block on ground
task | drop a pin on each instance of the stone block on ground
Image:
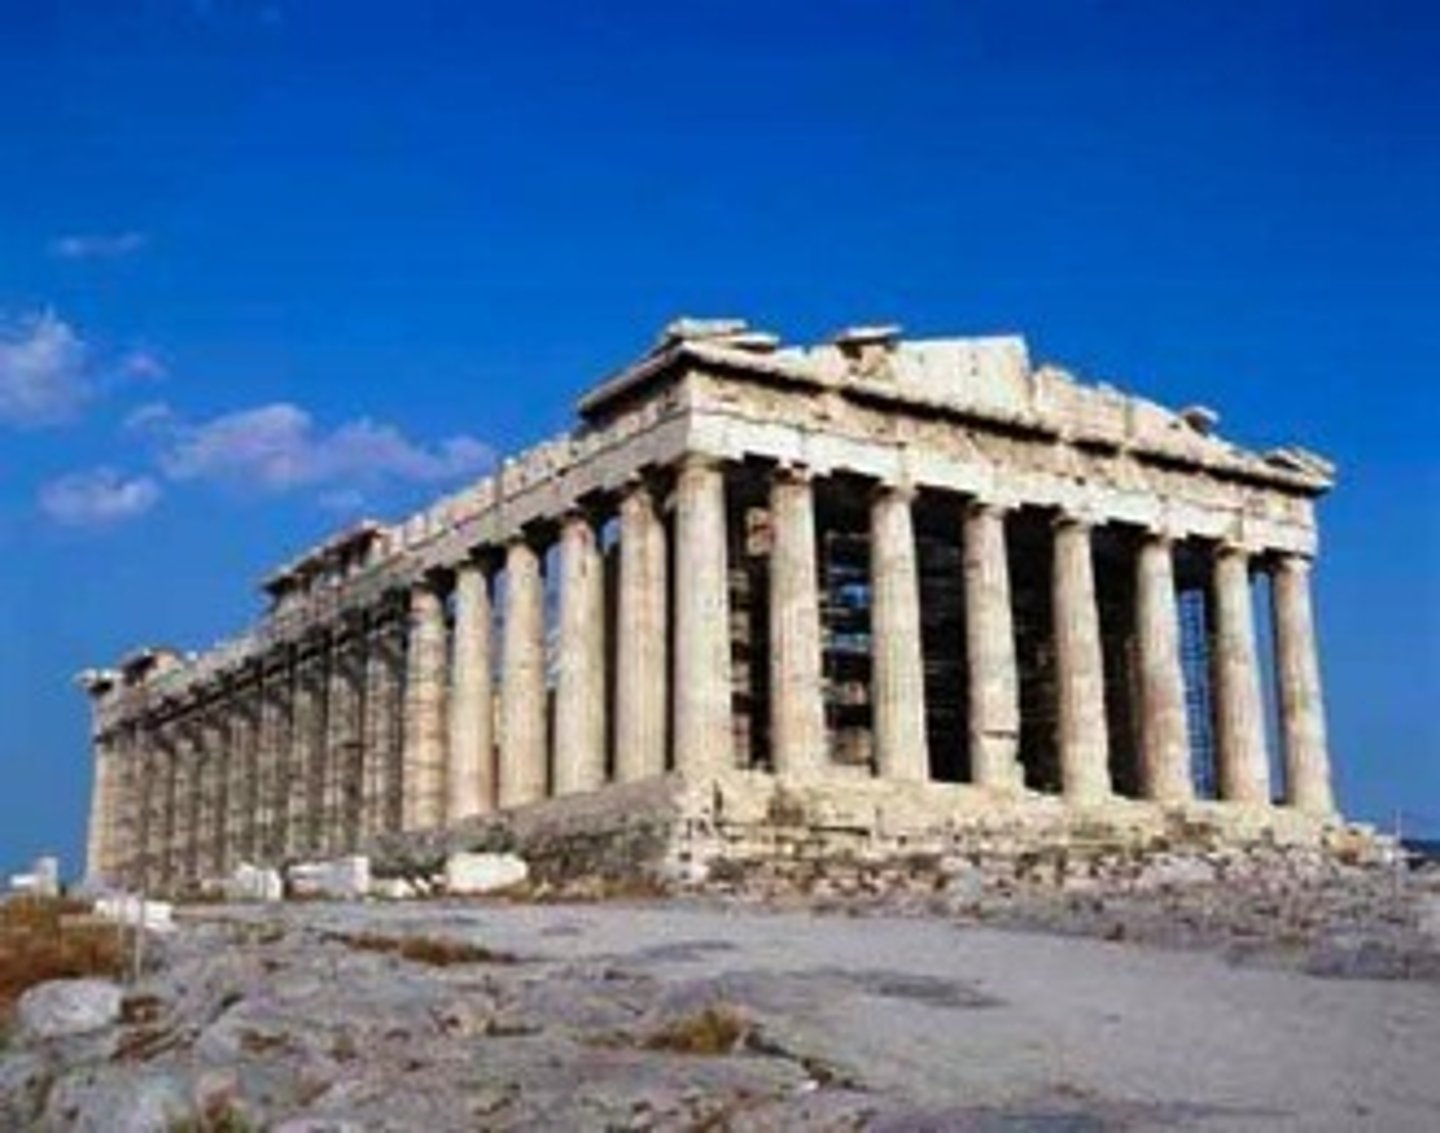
(254, 883)
(344, 879)
(62, 1008)
(468, 874)
(393, 889)
(154, 916)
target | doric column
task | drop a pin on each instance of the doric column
(97, 849)
(427, 657)
(641, 697)
(278, 725)
(192, 762)
(152, 808)
(216, 823)
(248, 845)
(1079, 670)
(346, 704)
(994, 732)
(1302, 703)
(383, 738)
(797, 705)
(580, 680)
(307, 753)
(704, 742)
(167, 836)
(121, 794)
(898, 664)
(522, 689)
(1239, 714)
(1164, 735)
(469, 777)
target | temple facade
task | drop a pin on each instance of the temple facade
(874, 563)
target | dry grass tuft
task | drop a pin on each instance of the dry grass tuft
(435, 952)
(712, 1031)
(54, 939)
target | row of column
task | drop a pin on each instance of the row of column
(452, 726)
(460, 785)
(301, 760)
(304, 772)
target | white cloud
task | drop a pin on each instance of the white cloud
(98, 246)
(43, 377)
(277, 448)
(143, 365)
(98, 497)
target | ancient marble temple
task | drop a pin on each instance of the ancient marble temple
(877, 563)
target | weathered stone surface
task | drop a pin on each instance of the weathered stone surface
(25, 1079)
(346, 878)
(677, 1015)
(128, 909)
(471, 874)
(62, 1008)
(255, 883)
(118, 1099)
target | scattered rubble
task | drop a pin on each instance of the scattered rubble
(345, 878)
(468, 874)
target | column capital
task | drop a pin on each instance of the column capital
(901, 490)
(579, 511)
(793, 472)
(637, 482)
(1292, 562)
(695, 461)
(1234, 549)
(1161, 534)
(1075, 517)
(991, 503)
(433, 580)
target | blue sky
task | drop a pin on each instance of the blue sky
(263, 265)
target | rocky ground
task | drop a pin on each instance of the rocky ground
(912, 1013)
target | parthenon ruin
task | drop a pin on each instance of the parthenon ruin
(878, 564)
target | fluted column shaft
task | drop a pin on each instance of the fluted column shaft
(1244, 770)
(97, 849)
(427, 659)
(216, 791)
(168, 836)
(1164, 735)
(797, 706)
(523, 711)
(994, 681)
(296, 801)
(193, 762)
(1079, 668)
(1302, 702)
(278, 724)
(580, 681)
(898, 664)
(641, 691)
(249, 802)
(703, 738)
(383, 728)
(343, 785)
(469, 773)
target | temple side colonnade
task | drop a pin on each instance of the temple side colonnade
(923, 562)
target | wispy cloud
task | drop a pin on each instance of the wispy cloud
(278, 448)
(99, 497)
(143, 365)
(43, 379)
(98, 246)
